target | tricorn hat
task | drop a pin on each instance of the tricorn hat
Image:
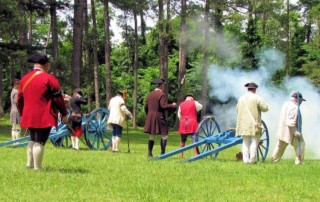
(77, 90)
(39, 59)
(120, 92)
(299, 94)
(16, 81)
(158, 81)
(251, 85)
(188, 95)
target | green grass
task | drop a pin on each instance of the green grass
(87, 175)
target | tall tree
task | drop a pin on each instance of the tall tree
(162, 48)
(205, 57)
(54, 32)
(1, 91)
(77, 42)
(55, 5)
(135, 65)
(107, 50)
(95, 54)
(182, 49)
(87, 57)
(287, 39)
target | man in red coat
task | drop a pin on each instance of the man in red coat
(39, 100)
(156, 123)
(187, 114)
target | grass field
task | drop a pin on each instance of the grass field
(87, 175)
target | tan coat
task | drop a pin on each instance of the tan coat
(288, 121)
(245, 123)
(14, 113)
(118, 111)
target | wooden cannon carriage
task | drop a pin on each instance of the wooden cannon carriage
(94, 126)
(211, 141)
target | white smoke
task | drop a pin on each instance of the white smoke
(228, 84)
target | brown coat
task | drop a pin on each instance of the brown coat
(155, 107)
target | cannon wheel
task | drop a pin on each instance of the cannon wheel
(208, 127)
(64, 141)
(263, 147)
(96, 134)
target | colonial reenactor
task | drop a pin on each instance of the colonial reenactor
(76, 115)
(288, 132)
(187, 114)
(156, 124)
(39, 100)
(117, 118)
(14, 112)
(249, 108)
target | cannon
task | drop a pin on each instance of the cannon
(94, 126)
(211, 141)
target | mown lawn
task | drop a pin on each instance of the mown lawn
(88, 175)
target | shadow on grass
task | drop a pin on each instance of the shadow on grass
(66, 170)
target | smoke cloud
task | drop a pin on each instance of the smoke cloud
(228, 86)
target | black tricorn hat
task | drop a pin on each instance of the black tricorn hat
(188, 95)
(77, 90)
(158, 81)
(39, 59)
(299, 94)
(16, 81)
(120, 92)
(251, 85)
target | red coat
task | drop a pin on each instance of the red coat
(188, 121)
(155, 107)
(40, 101)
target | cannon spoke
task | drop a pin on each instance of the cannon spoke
(96, 133)
(263, 146)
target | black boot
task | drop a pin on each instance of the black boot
(150, 147)
(163, 144)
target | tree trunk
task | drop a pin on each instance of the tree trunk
(107, 48)
(205, 59)
(87, 57)
(30, 29)
(182, 51)
(264, 16)
(95, 54)
(1, 91)
(162, 49)
(77, 42)
(288, 40)
(166, 44)
(143, 28)
(135, 69)
(23, 39)
(54, 32)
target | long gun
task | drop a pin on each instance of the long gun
(299, 127)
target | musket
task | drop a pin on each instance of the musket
(128, 136)
(299, 127)
(74, 132)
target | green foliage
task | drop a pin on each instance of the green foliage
(311, 63)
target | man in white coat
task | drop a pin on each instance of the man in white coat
(117, 119)
(288, 132)
(249, 108)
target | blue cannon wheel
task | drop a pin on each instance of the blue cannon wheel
(263, 147)
(96, 134)
(64, 141)
(208, 127)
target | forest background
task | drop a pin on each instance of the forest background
(185, 40)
